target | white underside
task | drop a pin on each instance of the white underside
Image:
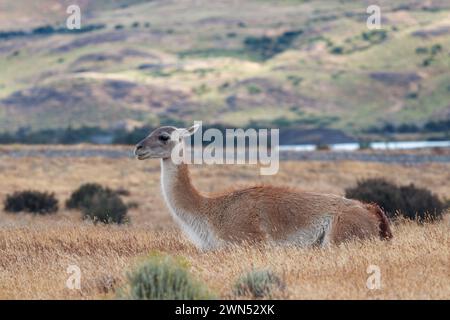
(318, 234)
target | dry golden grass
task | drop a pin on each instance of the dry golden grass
(35, 251)
(35, 258)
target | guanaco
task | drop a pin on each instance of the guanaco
(261, 213)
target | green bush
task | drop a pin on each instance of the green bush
(267, 47)
(407, 201)
(421, 50)
(31, 201)
(435, 49)
(426, 62)
(375, 36)
(253, 89)
(258, 284)
(412, 95)
(421, 204)
(364, 145)
(164, 278)
(323, 147)
(99, 203)
(106, 208)
(84, 194)
(337, 50)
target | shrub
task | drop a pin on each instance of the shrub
(295, 80)
(43, 30)
(435, 49)
(105, 207)
(258, 284)
(84, 194)
(421, 50)
(12, 34)
(323, 147)
(31, 201)
(426, 62)
(98, 203)
(337, 50)
(164, 278)
(421, 204)
(364, 145)
(253, 89)
(412, 95)
(375, 36)
(408, 201)
(266, 47)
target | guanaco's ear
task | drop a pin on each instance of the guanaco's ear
(185, 132)
(191, 130)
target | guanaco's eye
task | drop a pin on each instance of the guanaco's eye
(163, 138)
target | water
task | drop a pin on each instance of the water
(393, 145)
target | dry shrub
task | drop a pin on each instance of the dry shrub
(258, 284)
(98, 203)
(408, 201)
(31, 201)
(162, 277)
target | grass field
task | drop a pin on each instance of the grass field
(35, 251)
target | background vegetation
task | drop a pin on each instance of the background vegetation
(289, 64)
(406, 201)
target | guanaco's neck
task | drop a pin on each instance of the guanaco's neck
(187, 206)
(179, 193)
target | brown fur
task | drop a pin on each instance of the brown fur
(263, 213)
(385, 229)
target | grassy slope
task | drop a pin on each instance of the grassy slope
(198, 51)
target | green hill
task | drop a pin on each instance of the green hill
(286, 63)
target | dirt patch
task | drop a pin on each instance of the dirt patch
(229, 22)
(82, 102)
(37, 96)
(396, 78)
(151, 96)
(91, 40)
(101, 60)
(441, 31)
(261, 92)
(112, 91)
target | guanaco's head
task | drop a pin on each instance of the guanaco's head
(160, 143)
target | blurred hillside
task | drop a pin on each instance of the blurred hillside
(301, 65)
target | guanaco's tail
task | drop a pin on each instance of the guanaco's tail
(385, 229)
